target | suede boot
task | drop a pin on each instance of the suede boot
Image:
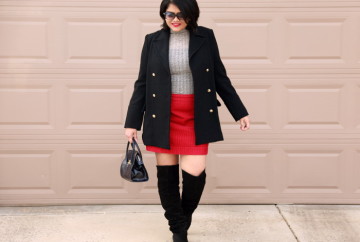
(193, 187)
(168, 187)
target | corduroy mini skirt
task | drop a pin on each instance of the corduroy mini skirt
(182, 131)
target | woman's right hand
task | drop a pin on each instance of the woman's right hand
(130, 133)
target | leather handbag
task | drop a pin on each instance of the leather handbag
(132, 167)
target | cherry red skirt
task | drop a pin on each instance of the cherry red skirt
(182, 132)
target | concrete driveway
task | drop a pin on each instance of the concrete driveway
(211, 223)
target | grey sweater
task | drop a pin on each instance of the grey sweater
(181, 77)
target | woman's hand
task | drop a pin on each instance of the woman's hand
(245, 123)
(130, 133)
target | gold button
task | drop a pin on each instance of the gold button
(153, 74)
(207, 70)
(211, 110)
(154, 95)
(154, 116)
(209, 90)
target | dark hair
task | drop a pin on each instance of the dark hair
(189, 9)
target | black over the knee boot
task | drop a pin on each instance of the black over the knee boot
(168, 186)
(193, 187)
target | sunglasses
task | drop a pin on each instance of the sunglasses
(171, 15)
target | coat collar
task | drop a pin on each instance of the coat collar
(162, 44)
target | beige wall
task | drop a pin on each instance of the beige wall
(67, 70)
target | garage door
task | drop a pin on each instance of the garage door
(67, 70)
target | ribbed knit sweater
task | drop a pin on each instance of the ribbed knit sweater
(181, 77)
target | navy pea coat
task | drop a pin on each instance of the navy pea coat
(152, 89)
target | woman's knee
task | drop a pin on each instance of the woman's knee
(193, 164)
(164, 159)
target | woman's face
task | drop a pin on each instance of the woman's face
(175, 24)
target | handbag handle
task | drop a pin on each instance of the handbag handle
(133, 145)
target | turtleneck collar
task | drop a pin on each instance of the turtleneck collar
(179, 32)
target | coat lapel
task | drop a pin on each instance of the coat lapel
(196, 41)
(162, 45)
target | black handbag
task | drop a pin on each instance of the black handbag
(132, 167)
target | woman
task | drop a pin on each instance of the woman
(180, 74)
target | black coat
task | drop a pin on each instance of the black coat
(152, 89)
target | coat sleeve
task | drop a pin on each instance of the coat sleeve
(136, 108)
(223, 84)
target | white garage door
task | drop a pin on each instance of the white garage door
(67, 70)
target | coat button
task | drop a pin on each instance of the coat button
(207, 70)
(211, 110)
(154, 116)
(209, 90)
(153, 74)
(154, 95)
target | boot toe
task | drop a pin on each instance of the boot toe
(180, 237)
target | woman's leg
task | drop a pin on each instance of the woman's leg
(193, 164)
(164, 159)
(168, 187)
(194, 179)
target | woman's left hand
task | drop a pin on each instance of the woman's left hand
(245, 123)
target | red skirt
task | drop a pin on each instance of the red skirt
(182, 131)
